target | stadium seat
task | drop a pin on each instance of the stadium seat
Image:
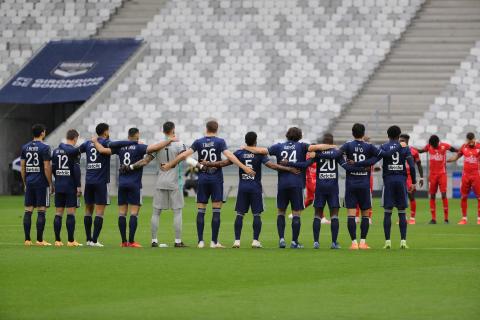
(245, 62)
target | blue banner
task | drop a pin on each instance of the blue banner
(68, 71)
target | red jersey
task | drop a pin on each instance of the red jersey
(438, 157)
(311, 178)
(472, 158)
(416, 158)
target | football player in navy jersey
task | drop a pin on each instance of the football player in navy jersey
(326, 189)
(357, 184)
(97, 179)
(394, 183)
(250, 187)
(210, 183)
(290, 186)
(66, 171)
(36, 171)
(130, 182)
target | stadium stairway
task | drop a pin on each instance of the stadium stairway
(417, 69)
(131, 18)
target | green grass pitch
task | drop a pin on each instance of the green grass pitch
(437, 278)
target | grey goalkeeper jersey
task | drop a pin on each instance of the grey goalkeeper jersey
(171, 179)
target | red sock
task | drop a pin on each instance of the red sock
(445, 208)
(413, 208)
(357, 214)
(370, 212)
(433, 209)
(463, 204)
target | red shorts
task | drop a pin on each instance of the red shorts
(309, 195)
(438, 181)
(470, 182)
(409, 183)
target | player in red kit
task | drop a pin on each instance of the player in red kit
(411, 191)
(438, 173)
(470, 175)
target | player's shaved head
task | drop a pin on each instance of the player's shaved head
(72, 134)
(434, 140)
(358, 130)
(470, 136)
(394, 132)
(405, 137)
(168, 127)
(212, 126)
(38, 129)
(294, 134)
(327, 138)
(101, 128)
(251, 139)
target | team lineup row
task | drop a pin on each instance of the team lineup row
(45, 172)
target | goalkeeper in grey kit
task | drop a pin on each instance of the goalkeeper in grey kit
(168, 192)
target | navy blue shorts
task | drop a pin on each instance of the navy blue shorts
(322, 198)
(209, 190)
(66, 200)
(96, 194)
(246, 200)
(37, 197)
(395, 193)
(130, 195)
(360, 196)
(292, 196)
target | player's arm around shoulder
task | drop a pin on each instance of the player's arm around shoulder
(182, 156)
(100, 147)
(230, 156)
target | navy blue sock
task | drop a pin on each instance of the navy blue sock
(238, 226)
(334, 226)
(352, 227)
(215, 224)
(364, 226)
(40, 225)
(132, 228)
(200, 223)
(257, 226)
(27, 224)
(281, 226)
(70, 227)
(122, 226)
(387, 223)
(87, 221)
(57, 227)
(296, 224)
(97, 227)
(402, 224)
(316, 228)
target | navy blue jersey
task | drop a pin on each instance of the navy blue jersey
(98, 165)
(210, 149)
(246, 182)
(35, 153)
(129, 155)
(327, 169)
(296, 154)
(64, 160)
(359, 151)
(394, 160)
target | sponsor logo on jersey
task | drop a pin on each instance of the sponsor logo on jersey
(247, 177)
(62, 172)
(94, 165)
(359, 173)
(331, 175)
(395, 167)
(32, 169)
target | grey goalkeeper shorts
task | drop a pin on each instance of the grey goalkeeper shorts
(168, 199)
